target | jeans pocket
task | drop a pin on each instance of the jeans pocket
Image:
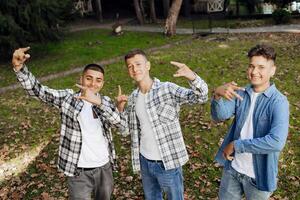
(106, 166)
(252, 182)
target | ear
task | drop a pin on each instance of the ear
(80, 80)
(273, 70)
(148, 65)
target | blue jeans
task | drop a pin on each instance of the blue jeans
(157, 180)
(234, 185)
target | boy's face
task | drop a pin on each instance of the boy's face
(93, 80)
(138, 67)
(260, 71)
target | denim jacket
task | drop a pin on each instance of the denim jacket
(270, 130)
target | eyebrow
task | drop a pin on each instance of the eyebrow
(89, 76)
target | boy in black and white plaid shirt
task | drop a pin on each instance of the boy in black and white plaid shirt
(86, 151)
(152, 119)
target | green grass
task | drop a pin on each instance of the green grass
(217, 59)
(81, 48)
(221, 23)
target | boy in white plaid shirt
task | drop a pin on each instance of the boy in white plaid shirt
(152, 119)
(86, 151)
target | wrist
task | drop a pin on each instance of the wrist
(215, 95)
(193, 76)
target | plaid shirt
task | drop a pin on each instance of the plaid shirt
(70, 107)
(163, 104)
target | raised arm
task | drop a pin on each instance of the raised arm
(198, 91)
(121, 102)
(31, 84)
(224, 100)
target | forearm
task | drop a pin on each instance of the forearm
(33, 87)
(109, 113)
(222, 110)
(200, 89)
(124, 128)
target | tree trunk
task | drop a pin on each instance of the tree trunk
(98, 10)
(166, 7)
(152, 11)
(138, 12)
(170, 27)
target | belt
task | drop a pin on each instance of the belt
(85, 169)
(157, 161)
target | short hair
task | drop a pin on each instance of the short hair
(134, 52)
(95, 67)
(264, 50)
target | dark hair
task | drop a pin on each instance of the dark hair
(264, 50)
(134, 52)
(94, 67)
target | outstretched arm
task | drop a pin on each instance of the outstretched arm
(31, 84)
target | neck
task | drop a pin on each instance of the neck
(145, 85)
(262, 88)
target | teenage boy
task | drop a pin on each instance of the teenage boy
(250, 151)
(86, 151)
(152, 119)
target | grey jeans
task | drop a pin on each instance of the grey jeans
(97, 182)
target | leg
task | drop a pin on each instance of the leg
(230, 187)
(152, 190)
(171, 182)
(251, 191)
(103, 180)
(80, 187)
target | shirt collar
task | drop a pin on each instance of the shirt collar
(268, 92)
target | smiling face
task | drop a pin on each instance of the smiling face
(138, 67)
(260, 71)
(93, 80)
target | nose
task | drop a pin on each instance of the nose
(134, 68)
(254, 70)
(93, 83)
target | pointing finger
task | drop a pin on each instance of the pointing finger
(238, 88)
(233, 83)
(120, 90)
(237, 96)
(25, 49)
(80, 86)
(177, 64)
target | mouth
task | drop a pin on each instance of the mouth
(255, 77)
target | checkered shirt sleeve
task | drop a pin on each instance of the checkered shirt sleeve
(34, 88)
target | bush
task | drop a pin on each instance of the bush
(281, 16)
(25, 21)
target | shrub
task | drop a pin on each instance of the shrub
(24, 21)
(281, 16)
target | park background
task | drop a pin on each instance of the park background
(212, 37)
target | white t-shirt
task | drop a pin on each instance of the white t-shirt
(148, 145)
(94, 148)
(243, 162)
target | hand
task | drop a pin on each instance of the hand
(121, 100)
(228, 150)
(183, 71)
(228, 91)
(88, 95)
(19, 57)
